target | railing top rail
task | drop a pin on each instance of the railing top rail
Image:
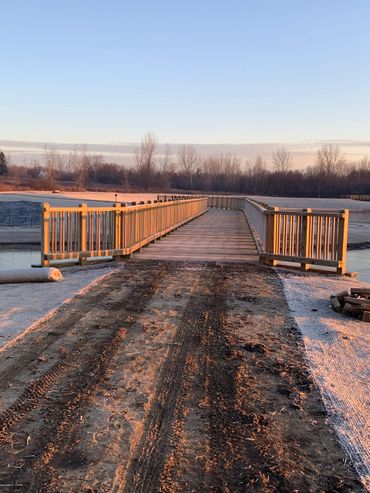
(118, 206)
(305, 212)
(256, 204)
(268, 209)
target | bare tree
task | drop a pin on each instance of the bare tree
(281, 160)
(35, 170)
(231, 171)
(208, 173)
(51, 165)
(166, 168)
(329, 159)
(96, 163)
(188, 161)
(70, 163)
(365, 163)
(212, 169)
(258, 174)
(329, 165)
(144, 157)
(60, 163)
(82, 166)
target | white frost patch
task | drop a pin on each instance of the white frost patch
(338, 350)
(24, 306)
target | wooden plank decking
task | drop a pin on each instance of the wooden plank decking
(218, 235)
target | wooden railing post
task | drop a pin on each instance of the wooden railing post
(271, 230)
(342, 241)
(306, 237)
(123, 218)
(117, 230)
(83, 233)
(45, 234)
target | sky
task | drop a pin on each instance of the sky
(204, 72)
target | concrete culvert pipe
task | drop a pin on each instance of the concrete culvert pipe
(43, 274)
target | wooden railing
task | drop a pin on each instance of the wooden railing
(225, 202)
(365, 198)
(82, 232)
(308, 237)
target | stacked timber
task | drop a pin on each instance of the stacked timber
(355, 303)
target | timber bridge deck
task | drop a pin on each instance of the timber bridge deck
(219, 235)
(235, 229)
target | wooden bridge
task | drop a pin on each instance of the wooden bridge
(235, 229)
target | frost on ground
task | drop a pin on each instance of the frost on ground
(23, 306)
(338, 350)
(75, 198)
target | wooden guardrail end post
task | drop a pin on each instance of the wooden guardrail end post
(306, 237)
(83, 234)
(271, 240)
(117, 230)
(342, 242)
(45, 234)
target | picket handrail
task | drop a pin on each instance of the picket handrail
(304, 236)
(82, 232)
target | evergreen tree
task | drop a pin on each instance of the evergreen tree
(3, 164)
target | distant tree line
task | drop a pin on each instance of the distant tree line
(186, 170)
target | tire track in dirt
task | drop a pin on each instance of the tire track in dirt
(228, 406)
(36, 342)
(144, 472)
(229, 449)
(36, 390)
(113, 424)
(227, 425)
(207, 402)
(62, 414)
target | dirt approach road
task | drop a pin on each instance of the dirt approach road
(167, 377)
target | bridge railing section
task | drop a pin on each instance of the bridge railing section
(82, 232)
(365, 198)
(225, 202)
(304, 236)
(310, 237)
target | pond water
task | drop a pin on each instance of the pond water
(18, 259)
(359, 261)
(21, 259)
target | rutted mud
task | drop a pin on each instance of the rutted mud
(167, 377)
